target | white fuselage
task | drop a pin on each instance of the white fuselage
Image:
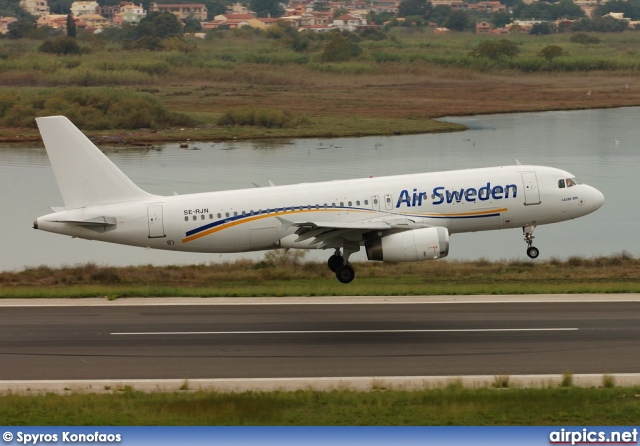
(252, 219)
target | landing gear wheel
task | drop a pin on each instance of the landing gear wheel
(533, 252)
(345, 273)
(335, 262)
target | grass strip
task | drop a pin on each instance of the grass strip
(285, 274)
(453, 405)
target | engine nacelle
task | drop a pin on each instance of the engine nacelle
(410, 246)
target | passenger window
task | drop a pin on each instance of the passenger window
(366, 202)
(227, 214)
(358, 203)
(210, 216)
(349, 203)
(195, 217)
(186, 218)
(202, 216)
(219, 215)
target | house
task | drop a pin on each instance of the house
(316, 18)
(229, 21)
(5, 22)
(261, 23)
(55, 21)
(454, 4)
(183, 11)
(483, 28)
(487, 7)
(83, 8)
(227, 16)
(238, 8)
(349, 22)
(130, 14)
(522, 25)
(95, 21)
(316, 28)
(38, 8)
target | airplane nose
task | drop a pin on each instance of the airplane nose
(596, 199)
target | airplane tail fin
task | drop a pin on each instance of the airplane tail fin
(84, 174)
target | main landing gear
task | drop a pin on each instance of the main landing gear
(532, 251)
(340, 265)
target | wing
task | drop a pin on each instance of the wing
(336, 234)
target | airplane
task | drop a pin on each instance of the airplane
(402, 218)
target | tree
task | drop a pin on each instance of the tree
(541, 28)
(500, 19)
(630, 9)
(192, 25)
(267, 8)
(600, 24)
(22, 28)
(71, 26)
(495, 50)
(339, 49)
(413, 7)
(160, 25)
(440, 14)
(321, 6)
(62, 46)
(458, 21)
(550, 52)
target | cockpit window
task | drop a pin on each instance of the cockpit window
(561, 184)
(570, 182)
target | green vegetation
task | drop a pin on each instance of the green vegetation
(286, 274)
(391, 81)
(453, 405)
(89, 108)
(267, 118)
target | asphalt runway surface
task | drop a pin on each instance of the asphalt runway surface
(318, 337)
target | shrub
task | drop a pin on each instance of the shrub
(584, 39)
(339, 49)
(550, 52)
(91, 109)
(62, 45)
(495, 50)
(260, 117)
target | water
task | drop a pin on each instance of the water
(597, 146)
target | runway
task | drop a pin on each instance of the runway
(318, 337)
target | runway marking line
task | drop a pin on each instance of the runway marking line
(469, 330)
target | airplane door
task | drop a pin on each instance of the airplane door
(154, 217)
(375, 203)
(531, 192)
(388, 202)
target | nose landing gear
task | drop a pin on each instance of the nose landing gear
(532, 251)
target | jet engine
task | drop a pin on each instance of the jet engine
(410, 246)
